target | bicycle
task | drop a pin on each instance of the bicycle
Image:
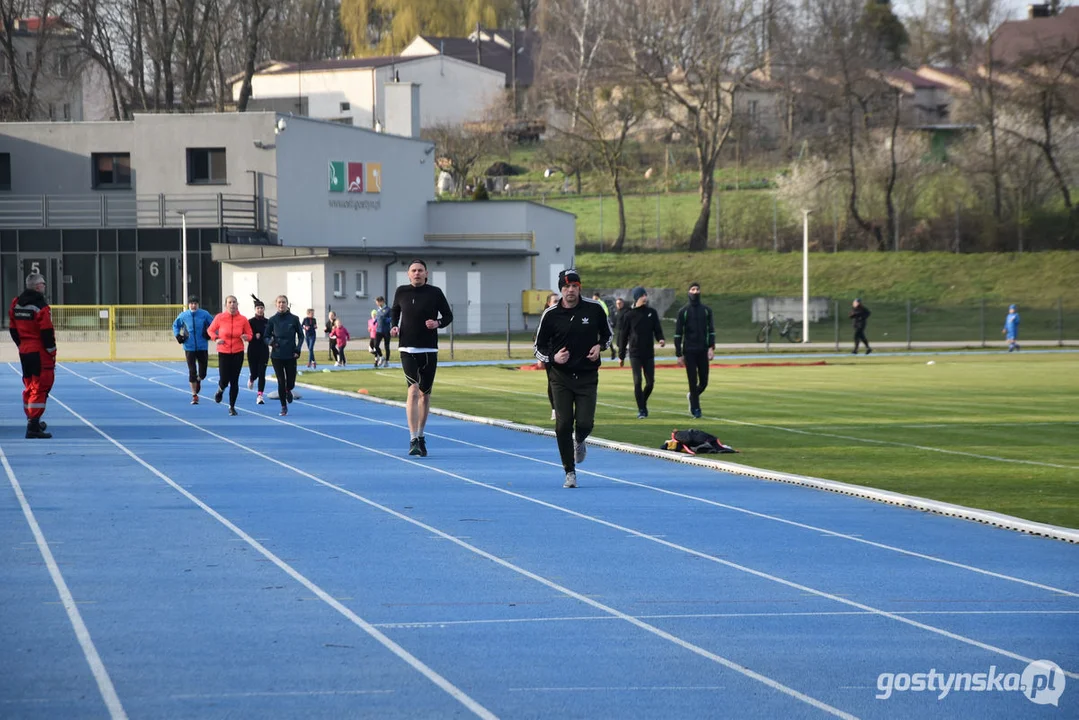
(781, 326)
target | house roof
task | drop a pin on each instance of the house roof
(494, 52)
(911, 80)
(341, 64)
(238, 253)
(1019, 41)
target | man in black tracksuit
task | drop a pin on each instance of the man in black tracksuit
(639, 329)
(284, 335)
(859, 313)
(620, 311)
(695, 345)
(419, 310)
(570, 337)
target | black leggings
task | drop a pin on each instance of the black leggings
(285, 370)
(859, 334)
(257, 366)
(383, 338)
(230, 365)
(196, 364)
(697, 372)
(646, 367)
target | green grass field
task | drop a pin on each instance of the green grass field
(992, 431)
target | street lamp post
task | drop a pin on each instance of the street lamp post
(183, 246)
(805, 275)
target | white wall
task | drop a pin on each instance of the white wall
(325, 90)
(451, 91)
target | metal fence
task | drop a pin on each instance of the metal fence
(144, 332)
(110, 332)
(134, 211)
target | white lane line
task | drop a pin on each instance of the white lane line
(298, 693)
(719, 659)
(714, 503)
(780, 428)
(622, 688)
(89, 651)
(386, 642)
(423, 624)
(599, 521)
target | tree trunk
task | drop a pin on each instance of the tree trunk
(889, 192)
(698, 239)
(620, 241)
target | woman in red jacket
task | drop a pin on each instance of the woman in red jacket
(230, 330)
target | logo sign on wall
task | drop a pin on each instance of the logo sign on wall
(355, 177)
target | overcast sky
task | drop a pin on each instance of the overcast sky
(1016, 9)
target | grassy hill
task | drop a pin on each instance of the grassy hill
(1034, 279)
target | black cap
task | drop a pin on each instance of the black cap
(568, 276)
(192, 299)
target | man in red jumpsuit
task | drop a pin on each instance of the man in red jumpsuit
(31, 329)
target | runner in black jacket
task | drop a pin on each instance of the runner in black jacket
(695, 345)
(258, 353)
(419, 310)
(640, 328)
(570, 337)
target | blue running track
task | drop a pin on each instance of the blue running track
(164, 560)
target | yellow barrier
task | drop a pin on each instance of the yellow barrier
(114, 332)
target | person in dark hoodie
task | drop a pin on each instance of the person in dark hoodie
(569, 340)
(419, 310)
(30, 325)
(284, 336)
(859, 313)
(695, 345)
(258, 354)
(640, 328)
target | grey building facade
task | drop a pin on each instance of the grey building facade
(274, 204)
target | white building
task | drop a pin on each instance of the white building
(353, 91)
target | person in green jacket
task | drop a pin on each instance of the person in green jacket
(284, 335)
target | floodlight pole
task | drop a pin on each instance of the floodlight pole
(183, 249)
(805, 275)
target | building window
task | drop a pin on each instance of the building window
(345, 107)
(5, 171)
(3, 64)
(112, 171)
(752, 112)
(206, 166)
(67, 111)
(63, 66)
(30, 59)
(361, 284)
(339, 284)
(52, 111)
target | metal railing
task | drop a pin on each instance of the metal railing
(137, 211)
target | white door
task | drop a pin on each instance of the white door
(402, 279)
(438, 279)
(244, 285)
(555, 269)
(300, 294)
(475, 307)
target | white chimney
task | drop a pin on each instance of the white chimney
(402, 109)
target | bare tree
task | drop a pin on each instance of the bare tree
(253, 13)
(460, 147)
(693, 56)
(26, 50)
(566, 154)
(1046, 111)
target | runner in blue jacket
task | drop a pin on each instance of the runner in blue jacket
(189, 327)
